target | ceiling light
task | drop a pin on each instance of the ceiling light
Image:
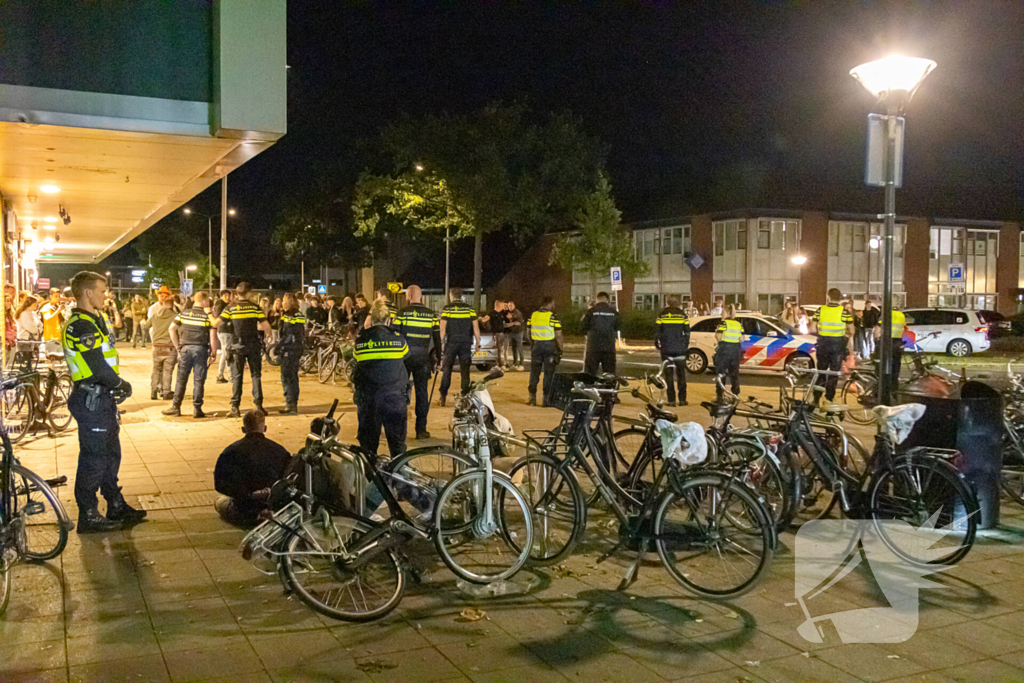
(49, 189)
(49, 227)
(50, 219)
(48, 239)
(799, 260)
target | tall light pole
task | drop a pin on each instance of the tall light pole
(893, 81)
(209, 239)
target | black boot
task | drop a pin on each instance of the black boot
(443, 399)
(289, 410)
(234, 412)
(259, 407)
(152, 395)
(422, 434)
(532, 401)
(120, 511)
(92, 522)
(198, 413)
(173, 410)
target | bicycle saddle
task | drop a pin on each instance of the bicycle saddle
(717, 409)
(834, 409)
(657, 413)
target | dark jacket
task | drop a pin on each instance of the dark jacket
(250, 464)
(672, 331)
(380, 363)
(601, 323)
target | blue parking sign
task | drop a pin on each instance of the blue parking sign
(616, 278)
(956, 273)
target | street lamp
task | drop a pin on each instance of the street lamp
(893, 81)
(209, 236)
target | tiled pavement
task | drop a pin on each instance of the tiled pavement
(172, 599)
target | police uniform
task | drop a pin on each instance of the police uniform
(245, 318)
(193, 354)
(832, 320)
(458, 343)
(421, 329)
(672, 339)
(544, 351)
(95, 371)
(728, 355)
(379, 388)
(291, 346)
(899, 323)
(601, 323)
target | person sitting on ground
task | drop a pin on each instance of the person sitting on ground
(246, 470)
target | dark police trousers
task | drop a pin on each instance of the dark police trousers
(290, 376)
(254, 355)
(542, 357)
(418, 365)
(463, 352)
(388, 411)
(727, 365)
(895, 365)
(676, 367)
(599, 355)
(831, 351)
(192, 358)
(99, 443)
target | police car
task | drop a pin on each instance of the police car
(768, 343)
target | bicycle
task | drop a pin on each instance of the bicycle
(694, 517)
(920, 486)
(33, 523)
(328, 551)
(29, 401)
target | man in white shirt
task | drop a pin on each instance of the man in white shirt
(717, 310)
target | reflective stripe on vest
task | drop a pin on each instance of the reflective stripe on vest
(732, 331)
(73, 348)
(899, 321)
(380, 350)
(830, 321)
(541, 328)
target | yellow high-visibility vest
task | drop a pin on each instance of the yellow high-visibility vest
(75, 342)
(899, 322)
(832, 320)
(543, 325)
(732, 331)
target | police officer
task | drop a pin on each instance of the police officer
(601, 323)
(899, 324)
(380, 382)
(293, 341)
(382, 295)
(672, 339)
(459, 327)
(93, 362)
(247, 319)
(834, 324)
(194, 335)
(729, 351)
(421, 330)
(546, 347)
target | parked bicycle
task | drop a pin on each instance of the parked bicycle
(33, 400)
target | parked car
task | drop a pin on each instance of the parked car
(998, 324)
(768, 343)
(486, 357)
(953, 331)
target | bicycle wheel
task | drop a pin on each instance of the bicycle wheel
(420, 475)
(326, 371)
(58, 415)
(5, 580)
(45, 532)
(307, 364)
(918, 491)
(362, 589)
(755, 468)
(858, 398)
(556, 503)
(483, 543)
(700, 542)
(273, 354)
(19, 409)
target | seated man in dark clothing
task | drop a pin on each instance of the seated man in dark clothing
(246, 470)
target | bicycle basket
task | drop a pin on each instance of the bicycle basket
(562, 385)
(264, 544)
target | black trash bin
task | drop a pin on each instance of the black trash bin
(970, 421)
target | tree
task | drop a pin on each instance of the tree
(494, 170)
(599, 242)
(169, 250)
(319, 227)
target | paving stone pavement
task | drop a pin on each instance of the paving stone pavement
(172, 599)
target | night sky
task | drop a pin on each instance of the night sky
(705, 107)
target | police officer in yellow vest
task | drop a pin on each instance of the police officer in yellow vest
(835, 326)
(380, 382)
(546, 347)
(899, 323)
(729, 351)
(93, 362)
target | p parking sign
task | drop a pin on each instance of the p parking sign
(616, 279)
(956, 273)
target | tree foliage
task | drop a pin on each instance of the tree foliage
(599, 241)
(169, 250)
(318, 227)
(493, 170)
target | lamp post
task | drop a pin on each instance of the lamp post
(209, 254)
(893, 81)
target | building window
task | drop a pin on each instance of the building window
(677, 240)
(859, 237)
(741, 235)
(764, 235)
(645, 302)
(976, 251)
(719, 239)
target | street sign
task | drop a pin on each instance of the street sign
(186, 287)
(616, 279)
(878, 137)
(311, 289)
(394, 287)
(321, 289)
(956, 273)
(139, 272)
(43, 283)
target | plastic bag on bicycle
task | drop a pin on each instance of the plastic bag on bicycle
(683, 442)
